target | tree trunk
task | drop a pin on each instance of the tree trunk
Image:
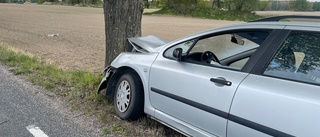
(147, 4)
(219, 4)
(195, 2)
(122, 20)
(170, 3)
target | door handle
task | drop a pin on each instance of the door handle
(221, 80)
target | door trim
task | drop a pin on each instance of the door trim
(225, 115)
(192, 103)
(269, 50)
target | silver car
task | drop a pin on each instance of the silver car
(254, 79)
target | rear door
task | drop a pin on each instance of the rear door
(282, 98)
(197, 93)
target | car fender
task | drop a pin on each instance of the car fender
(141, 64)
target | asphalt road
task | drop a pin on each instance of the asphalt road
(26, 111)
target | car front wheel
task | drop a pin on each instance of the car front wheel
(128, 97)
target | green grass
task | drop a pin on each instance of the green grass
(39, 72)
(208, 13)
(78, 88)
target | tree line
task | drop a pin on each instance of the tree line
(243, 5)
(69, 2)
(185, 6)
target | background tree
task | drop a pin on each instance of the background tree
(170, 3)
(122, 20)
(299, 5)
(146, 3)
(316, 6)
(218, 3)
(181, 6)
(245, 5)
(279, 5)
(263, 5)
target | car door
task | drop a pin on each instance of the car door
(283, 98)
(195, 92)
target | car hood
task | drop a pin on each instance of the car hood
(146, 44)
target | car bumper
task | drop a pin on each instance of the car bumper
(107, 73)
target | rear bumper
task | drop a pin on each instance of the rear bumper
(107, 73)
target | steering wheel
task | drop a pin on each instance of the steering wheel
(208, 56)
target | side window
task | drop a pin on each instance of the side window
(239, 63)
(298, 58)
(232, 50)
(184, 46)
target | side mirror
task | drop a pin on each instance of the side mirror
(236, 40)
(177, 54)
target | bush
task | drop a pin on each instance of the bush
(263, 5)
(41, 1)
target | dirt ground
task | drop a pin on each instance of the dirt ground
(73, 37)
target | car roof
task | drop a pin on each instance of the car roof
(261, 25)
(291, 20)
(300, 24)
(258, 24)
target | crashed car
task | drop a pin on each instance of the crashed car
(253, 79)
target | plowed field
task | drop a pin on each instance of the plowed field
(73, 37)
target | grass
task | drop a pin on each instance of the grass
(39, 72)
(209, 13)
(78, 88)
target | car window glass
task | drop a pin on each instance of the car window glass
(239, 63)
(298, 58)
(224, 45)
(230, 48)
(184, 46)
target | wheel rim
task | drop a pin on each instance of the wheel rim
(123, 96)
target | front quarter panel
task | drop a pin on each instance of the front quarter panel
(141, 63)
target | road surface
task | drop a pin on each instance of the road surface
(26, 111)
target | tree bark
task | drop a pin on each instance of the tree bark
(122, 20)
(147, 4)
(170, 4)
(219, 4)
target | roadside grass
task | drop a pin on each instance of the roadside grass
(79, 89)
(209, 13)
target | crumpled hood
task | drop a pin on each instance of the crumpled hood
(146, 44)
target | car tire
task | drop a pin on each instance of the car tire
(129, 97)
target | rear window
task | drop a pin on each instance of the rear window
(298, 58)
